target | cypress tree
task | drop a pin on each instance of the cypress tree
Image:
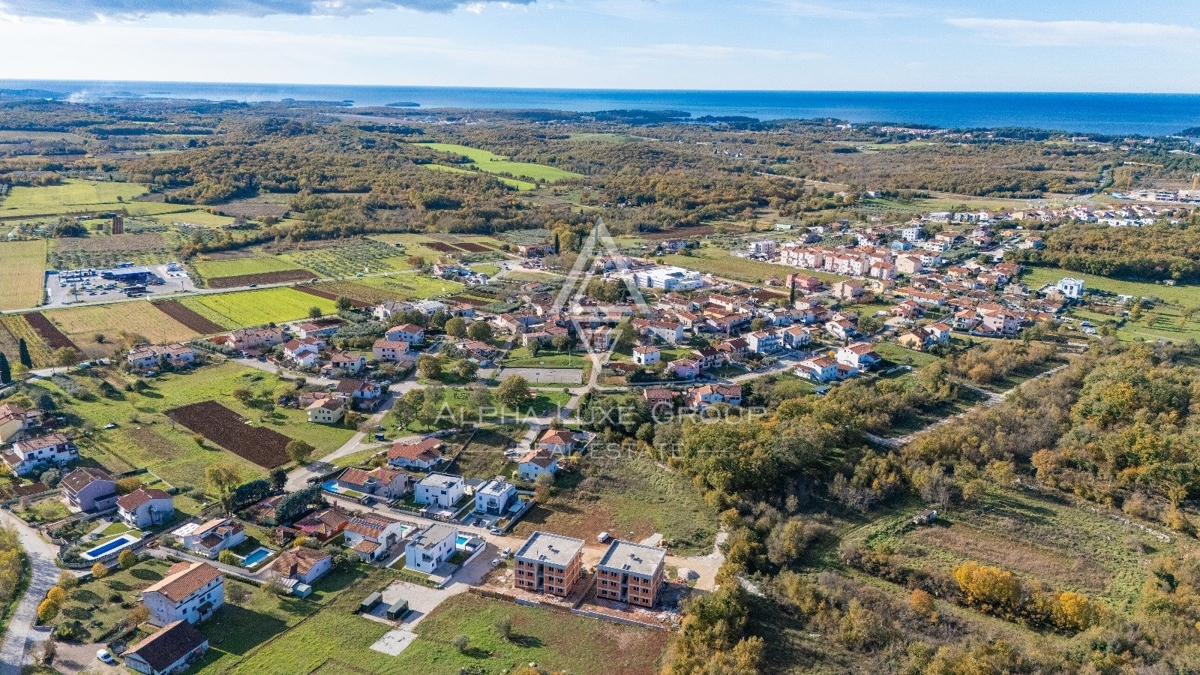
(792, 294)
(5, 371)
(555, 243)
(23, 354)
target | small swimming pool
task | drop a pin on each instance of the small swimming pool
(256, 556)
(120, 542)
(462, 540)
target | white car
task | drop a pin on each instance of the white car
(105, 657)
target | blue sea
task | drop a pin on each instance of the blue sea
(1102, 113)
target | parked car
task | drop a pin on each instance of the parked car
(105, 657)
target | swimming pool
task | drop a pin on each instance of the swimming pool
(120, 542)
(256, 556)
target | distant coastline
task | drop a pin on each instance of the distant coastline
(1105, 113)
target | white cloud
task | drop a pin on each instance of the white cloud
(1026, 33)
(820, 10)
(699, 52)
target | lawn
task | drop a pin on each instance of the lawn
(72, 195)
(97, 605)
(903, 355)
(484, 456)
(83, 324)
(520, 357)
(334, 640)
(145, 436)
(493, 163)
(22, 273)
(718, 262)
(626, 496)
(196, 217)
(1189, 296)
(216, 269)
(258, 307)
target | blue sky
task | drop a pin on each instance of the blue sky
(1019, 45)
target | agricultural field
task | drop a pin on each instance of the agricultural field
(336, 641)
(257, 307)
(146, 437)
(195, 218)
(435, 247)
(180, 313)
(70, 197)
(22, 273)
(347, 258)
(236, 267)
(496, 164)
(718, 262)
(628, 497)
(405, 287)
(13, 327)
(102, 251)
(265, 447)
(1188, 296)
(114, 321)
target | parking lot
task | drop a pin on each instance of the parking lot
(70, 287)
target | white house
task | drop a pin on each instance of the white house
(557, 442)
(1070, 287)
(424, 454)
(859, 356)
(390, 350)
(494, 497)
(439, 489)
(432, 547)
(27, 456)
(145, 507)
(304, 353)
(819, 369)
(371, 535)
(168, 650)
(214, 536)
(764, 341)
(796, 337)
(190, 592)
(410, 333)
(536, 463)
(647, 355)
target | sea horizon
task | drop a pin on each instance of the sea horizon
(1108, 113)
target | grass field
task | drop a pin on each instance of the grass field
(22, 273)
(718, 262)
(1189, 296)
(902, 355)
(194, 217)
(216, 269)
(411, 286)
(89, 604)
(512, 182)
(145, 436)
(493, 163)
(258, 307)
(335, 641)
(628, 497)
(83, 324)
(72, 195)
(520, 357)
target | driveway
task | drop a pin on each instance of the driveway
(22, 636)
(76, 658)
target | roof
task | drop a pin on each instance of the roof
(180, 584)
(369, 524)
(541, 458)
(410, 328)
(298, 560)
(625, 556)
(168, 645)
(47, 441)
(425, 449)
(355, 476)
(553, 549)
(558, 437)
(140, 496)
(366, 546)
(497, 486)
(326, 403)
(443, 480)
(434, 534)
(331, 518)
(81, 478)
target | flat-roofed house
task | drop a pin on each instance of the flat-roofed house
(494, 497)
(430, 548)
(548, 563)
(190, 592)
(630, 573)
(170, 649)
(439, 489)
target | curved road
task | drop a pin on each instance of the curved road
(22, 636)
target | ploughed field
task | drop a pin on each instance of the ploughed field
(264, 447)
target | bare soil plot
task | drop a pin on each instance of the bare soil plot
(119, 242)
(181, 313)
(48, 331)
(440, 247)
(473, 247)
(328, 295)
(264, 447)
(279, 277)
